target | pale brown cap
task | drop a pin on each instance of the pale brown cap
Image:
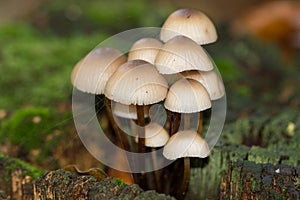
(210, 80)
(187, 96)
(92, 72)
(190, 23)
(181, 54)
(155, 135)
(136, 82)
(145, 49)
(75, 71)
(186, 143)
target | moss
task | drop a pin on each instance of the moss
(28, 127)
(11, 164)
(264, 130)
(37, 67)
(119, 182)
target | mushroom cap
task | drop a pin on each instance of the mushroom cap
(190, 23)
(91, 74)
(187, 96)
(155, 135)
(75, 71)
(186, 143)
(181, 54)
(145, 49)
(136, 82)
(210, 80)
(127, 111)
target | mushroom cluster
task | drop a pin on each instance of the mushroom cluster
(174, 71)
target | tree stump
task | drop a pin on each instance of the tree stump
(61, 184)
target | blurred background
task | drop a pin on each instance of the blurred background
(257, 54)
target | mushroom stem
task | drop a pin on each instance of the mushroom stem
(187, 121)
(200, 124)
(134, 133)
(141, 179)
(167, 125)
(141, 128)
(156, 172)
(186, 162)
(124, 142)
(185, 180)
(175, 122)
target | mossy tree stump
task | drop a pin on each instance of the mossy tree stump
(16, 179)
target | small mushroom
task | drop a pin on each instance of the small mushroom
(181, 54)
(137, 82)
(186, 96)
(145, 49)
(91, 73)
(212, 83)
(210, 80)
(186, 143)
(190, 23)
(155, 135)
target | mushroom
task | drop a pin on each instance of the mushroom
(155, 135)
(186, 143)
(186, 96)
(212, 83)
(137, 82)
(181, 54)
(145, 49)
(210, 80)
(190, 23)
(91, 74)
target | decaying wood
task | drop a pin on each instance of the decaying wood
(16, 179)
(247, 180)
(17, 183)
(63, 184)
